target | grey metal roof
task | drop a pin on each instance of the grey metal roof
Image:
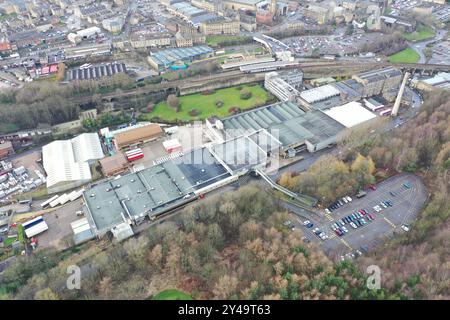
(153, 190)
(285, 121)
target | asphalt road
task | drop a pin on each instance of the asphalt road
(420, 46)
(407, 204)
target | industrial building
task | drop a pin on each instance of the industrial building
(120, 202)
(237, 5)
(377, 81)
(185, 10)
(114, 165)
(164, 59)
(138, 135)
(319, 98)
(293, 76)
(279, 87)
(286, 122)
(350, 114)
(153, 191)
(66, 162)
(85, 34)
(439, 81)
(219, 25)
(96, 72)
(6, 149)
(144, 39)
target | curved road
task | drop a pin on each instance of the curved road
(420, 46)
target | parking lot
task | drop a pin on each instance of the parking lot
(59, 233)
(440, 53)
(335, 44)
(406, 204)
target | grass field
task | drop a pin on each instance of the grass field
(216, 40)
(406, 56)
(172, 294)
(9, 241)
(422, 33)
(206, 104)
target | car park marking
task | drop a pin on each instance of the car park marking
(346, 243)
(329, 217)
(390, 222)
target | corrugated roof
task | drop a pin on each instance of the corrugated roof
(113, 163)
(143, 133)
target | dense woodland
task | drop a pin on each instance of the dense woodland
(49, 103)
(232, 246)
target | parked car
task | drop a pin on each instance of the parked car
(306, 222)
(327, 210)
(349, 199)
(353, 225)
(392, 193)
(310, 225)
(372, 187)
(405, 227)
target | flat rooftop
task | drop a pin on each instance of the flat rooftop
(319, 93)
(350, 114)
(153, 190)
(240, 153)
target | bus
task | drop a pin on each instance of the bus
(46, 203)
(386, 112)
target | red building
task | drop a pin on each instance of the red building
(6, 149)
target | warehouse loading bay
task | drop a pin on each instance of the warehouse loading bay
(406, 204)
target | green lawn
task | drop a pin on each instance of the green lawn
(216, 40)
(422, 33)
(206, 104)
(406, 56)
(172, 294)
(9, 241)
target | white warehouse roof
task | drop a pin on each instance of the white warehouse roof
(350, 114)
(67, 161)
(319, 93)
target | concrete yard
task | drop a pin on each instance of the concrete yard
(29, 161)
(406, 205)
(59, 233)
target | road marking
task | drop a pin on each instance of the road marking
(346, 243)
(330, 218)
(390, 222)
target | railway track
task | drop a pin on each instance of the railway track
(229, 75)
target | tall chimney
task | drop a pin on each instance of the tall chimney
(400, 95)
